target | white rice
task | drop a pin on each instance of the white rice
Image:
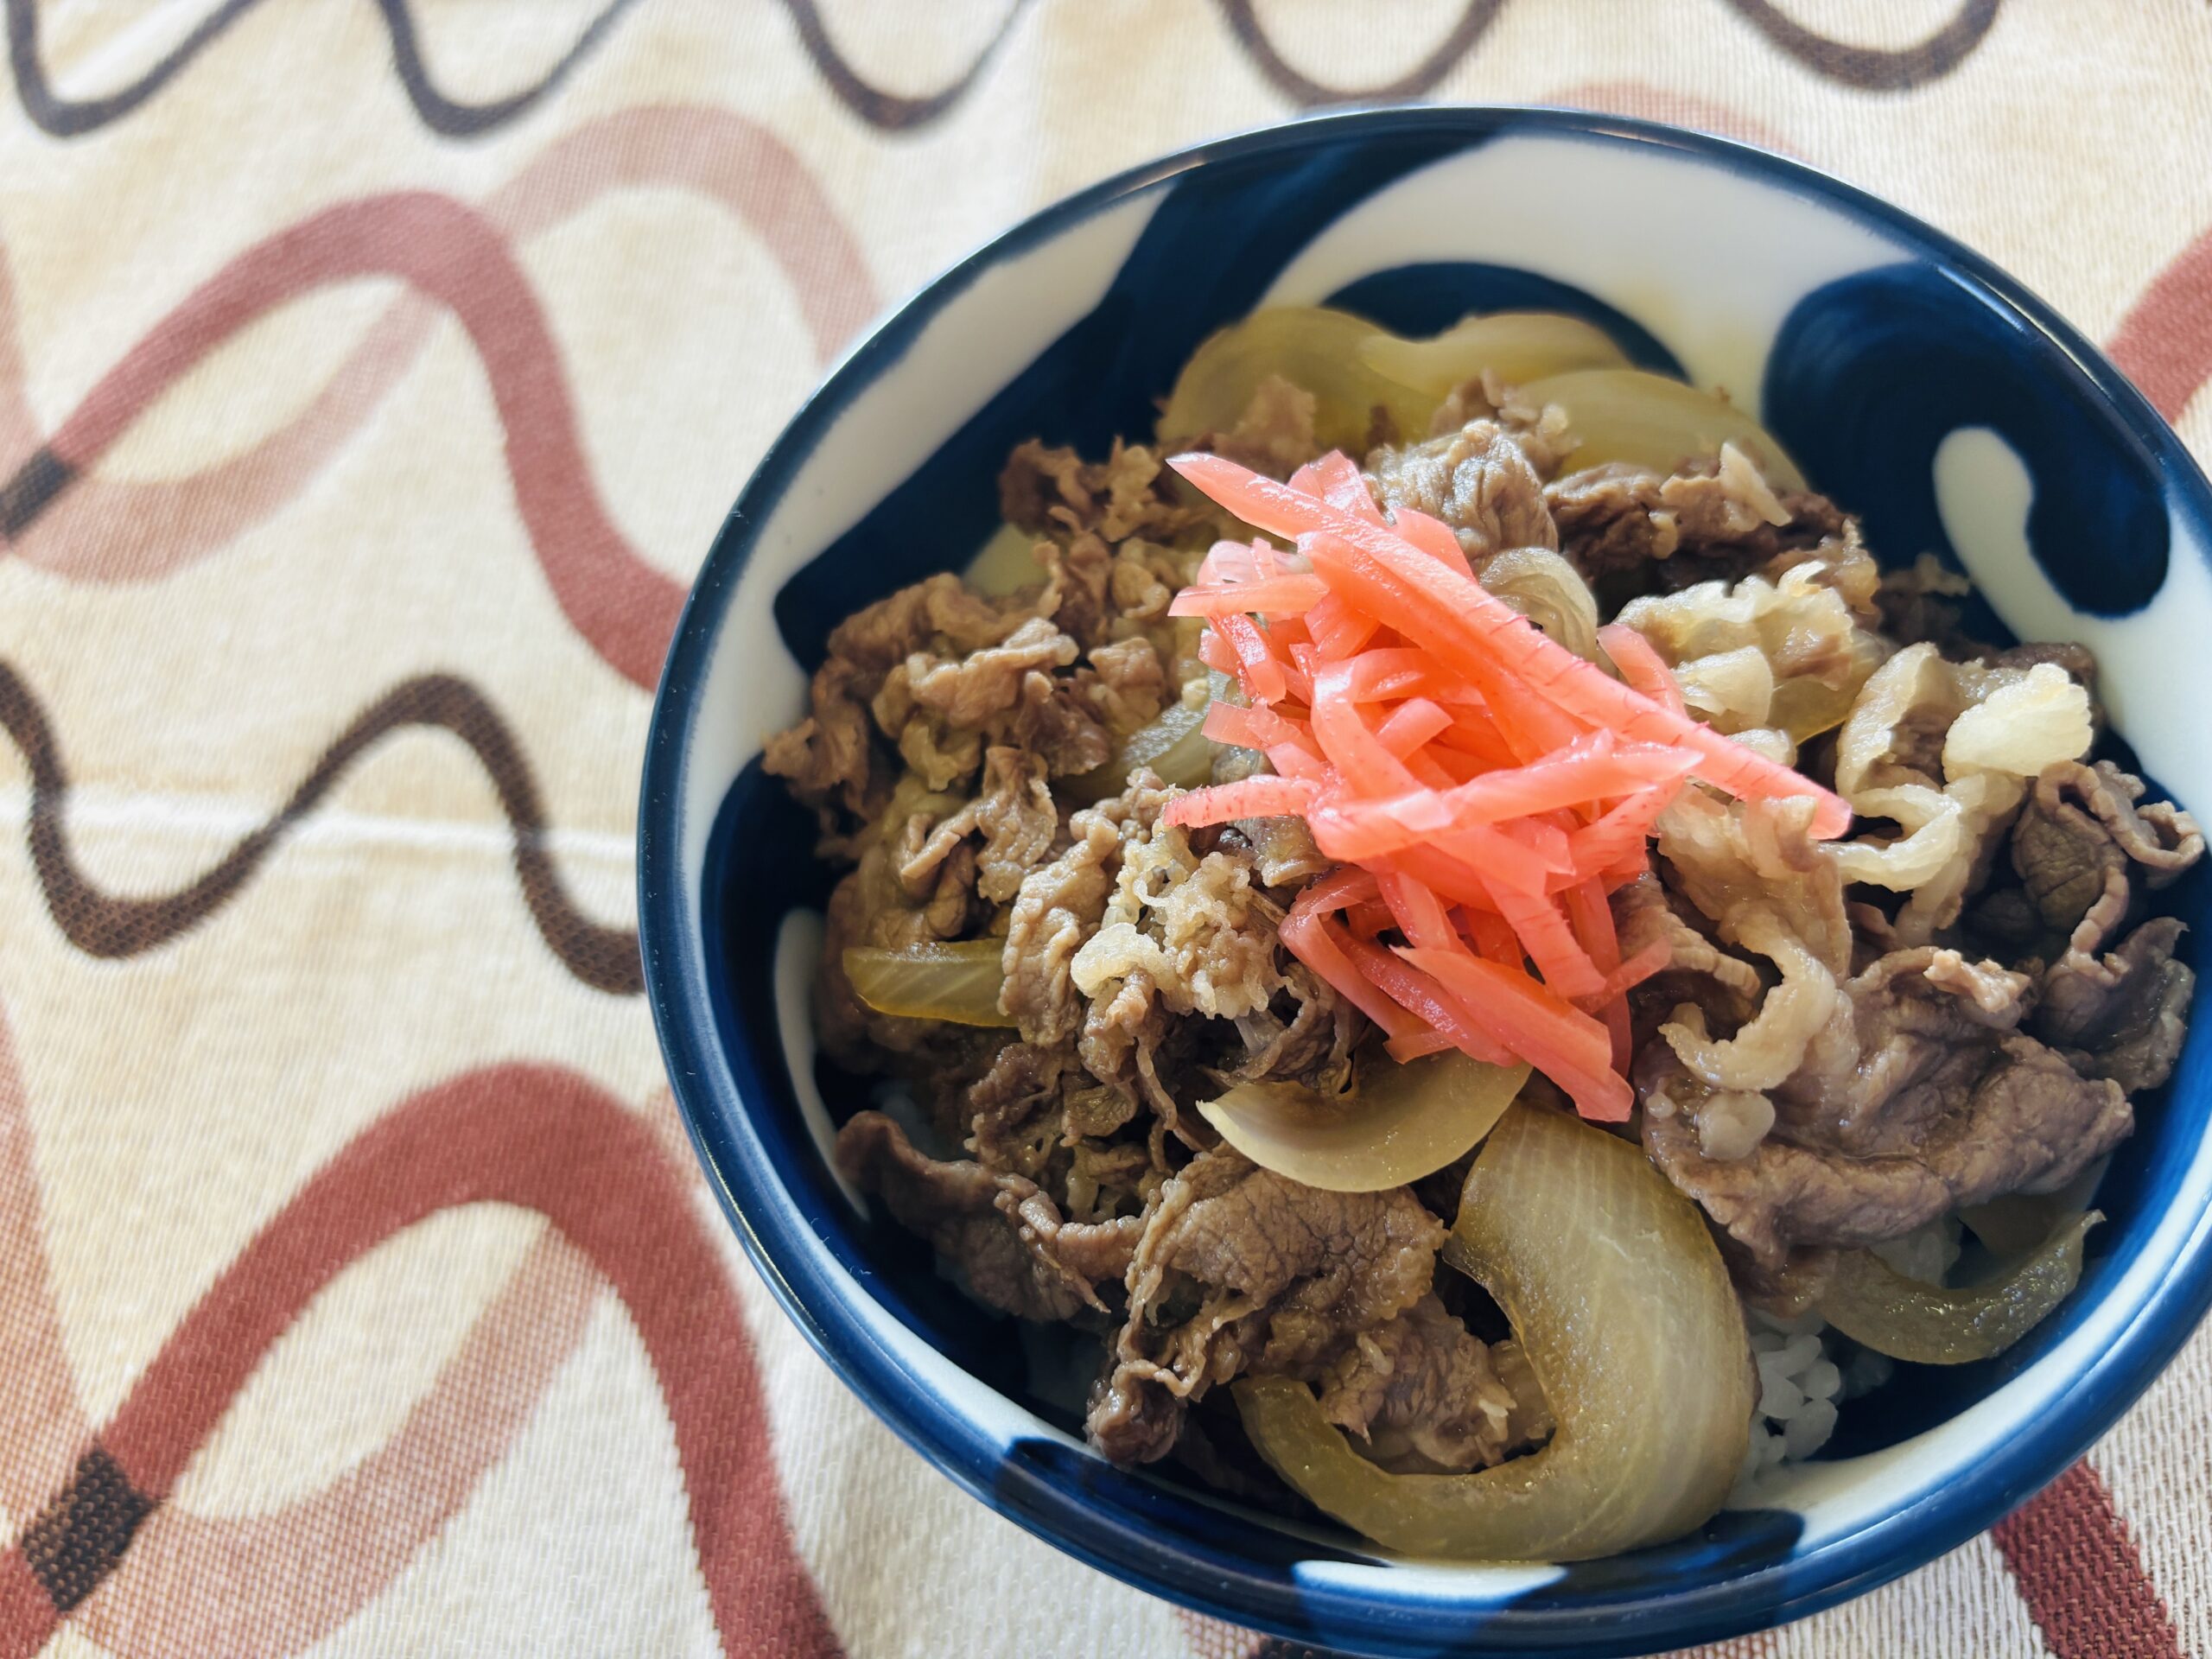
(1807, 1371)
(1799, 1388)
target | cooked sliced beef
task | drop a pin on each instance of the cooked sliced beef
(1847, 1108)
(935, 674)
(1758, 857)
(1697, 968)
(1543, 431)
(1275, 435)
(1000, 1231)
(1100, 594)
(1726, 501)
(1057, 907)
(2081, 837)
(1197, 925)
(1123, 1027)
(1056, 491)
(1239, 1270)
(1037, 1113)
(1610, 518)
(1948, 752)
(1078, 574)
(828, 757)
(1615, 517)
(938, 612)
(2123, 1015)
(1017, 1112)
(1054, 719)
(2029, 1123)
(1918, 1096)
(1914, 1098)
(1909, 1036)
(1312, 1041)
(1130, 685)
(1108, 1179)
(966, 691)
(1014, 816)
(943, 710)
(1420, 1384)
(1478, 480)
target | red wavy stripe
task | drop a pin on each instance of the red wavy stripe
(26, 1617)
(102, 529)
(207, 1588)
(620, 603)
(45, 1426)
(2165, 342)
(2076, 1563)
(230, 1585)
(545, 1140)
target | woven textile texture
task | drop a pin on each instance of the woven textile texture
(373, 374)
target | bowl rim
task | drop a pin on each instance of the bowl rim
(735, 1158)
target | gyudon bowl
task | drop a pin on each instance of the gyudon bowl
(1921, 389)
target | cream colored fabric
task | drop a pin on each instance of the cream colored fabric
(332, 503)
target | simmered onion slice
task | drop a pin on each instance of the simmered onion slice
(1317, 350)
(1174, 744)
(1402, 1121)
(1647, 419)
(1618, 1297)
(1873, 1303)
(1551, 593)
(1354, 368)
(957, 981)
(2016, 1223)
(1004, 565)
(1515, 345)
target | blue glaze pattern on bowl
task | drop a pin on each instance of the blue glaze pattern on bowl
(1919, 385)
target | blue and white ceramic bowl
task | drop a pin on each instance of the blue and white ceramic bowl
(1914, 383)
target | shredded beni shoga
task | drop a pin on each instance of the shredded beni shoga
(1489, 817)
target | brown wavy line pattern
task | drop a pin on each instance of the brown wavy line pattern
(890, 110)
(1868, 68)
(94, 528)
(109, 925)
(62, 117)
(1874, 69)
(108, 1550)
(1251, 35)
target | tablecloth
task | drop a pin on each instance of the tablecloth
(373, 374)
